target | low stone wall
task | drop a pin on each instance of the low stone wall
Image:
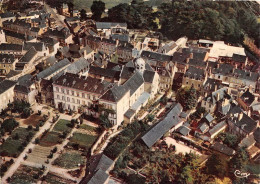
(98, 142)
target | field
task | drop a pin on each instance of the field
(53, 179)
(69, 160)
(79, 4)
(39, 154)
(50, 139)
(84, 141)
(13, 147)
(33, 120)
(25, 174)
(87, 127)
(62, 126)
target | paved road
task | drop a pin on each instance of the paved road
(59, 18)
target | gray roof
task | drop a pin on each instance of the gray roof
(5, 85)
(217, 127)
(99, 177)
(156, 132)
(115, 93)
(104, 163)
(108, 25)
(47, 72)
(77, 66)
(247, 141)
(203, 127)
(9, 46)
(134, 82)
(257, 135)
(222, 148)
(129, 113)
(148, 76)
(124, 37)
(222, 93)
(7, 58)
(39, 46)
(184, 130)
(195, 73)
(209, 117)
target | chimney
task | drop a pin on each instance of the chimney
(191, 55)
(240, 116)
(217, 95)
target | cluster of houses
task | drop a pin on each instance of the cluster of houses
(87, 66)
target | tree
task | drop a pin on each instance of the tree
(83, 14)
(216, 165)
(231, 140)
(187, 97)
(135, 179)
(29, 127)
(186, 175)
(9, 125)
(104, 121)
(97, 9)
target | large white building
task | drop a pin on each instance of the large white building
(6, 93)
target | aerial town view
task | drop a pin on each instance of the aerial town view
(129, 92)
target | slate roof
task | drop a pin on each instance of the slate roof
(217, 127)
(78, 66)
(246, 123)
(222, 93)
(248, 97)
(104, 163)
(104, 72)
(99, 177)
(222, 148)
(7, 58)
(239, 58)
(209, 117)
(22, 89)
(157, 131)
(114, 94)
(148, 76)
(195, 73)
(49, 71)
(49, 41)
(198, 53)
(62, 34)
(247, 141)
(134, 82)
(127, 72)
(11, 47)
(197, 63)
(155, 56)
(6, 15)
(257, 135)
(203, 127)
(25, 80)
(12, 73)
(246, 75)
(88, 84)
(124, 37)
(20, 36)
(210, 84)
(224, 69)
(108, 25)
(180, 57)
(27, 57)
(5, 85)
(129, 113)
(184, 130)
(167, 47)
(39, 46)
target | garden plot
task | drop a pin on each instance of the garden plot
(33, 120)
(62, 126)
(16, 143)
(81, 140)
(70, 160)
(54, 179)
(39, 154)
(26, 174)
(51, 139)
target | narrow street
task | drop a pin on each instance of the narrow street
(59, 18)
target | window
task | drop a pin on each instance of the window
(68, 99)
(72, 92)
(83, 95)
(78, 101)
(73, 100)
(62, 90)
(68, 91)
(57, 89)
(88, 97)
(58, 96)
(187, 82)
(198, 85)
(77, 93)
(219, 76)
(63, 98)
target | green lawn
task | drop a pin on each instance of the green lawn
(11, 146)
(69, 160)
(62, 126)
(50, 139)
(84, 140)
(87, 127)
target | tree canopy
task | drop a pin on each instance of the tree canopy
(217, 165)
(187, 97)
(97, 9)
